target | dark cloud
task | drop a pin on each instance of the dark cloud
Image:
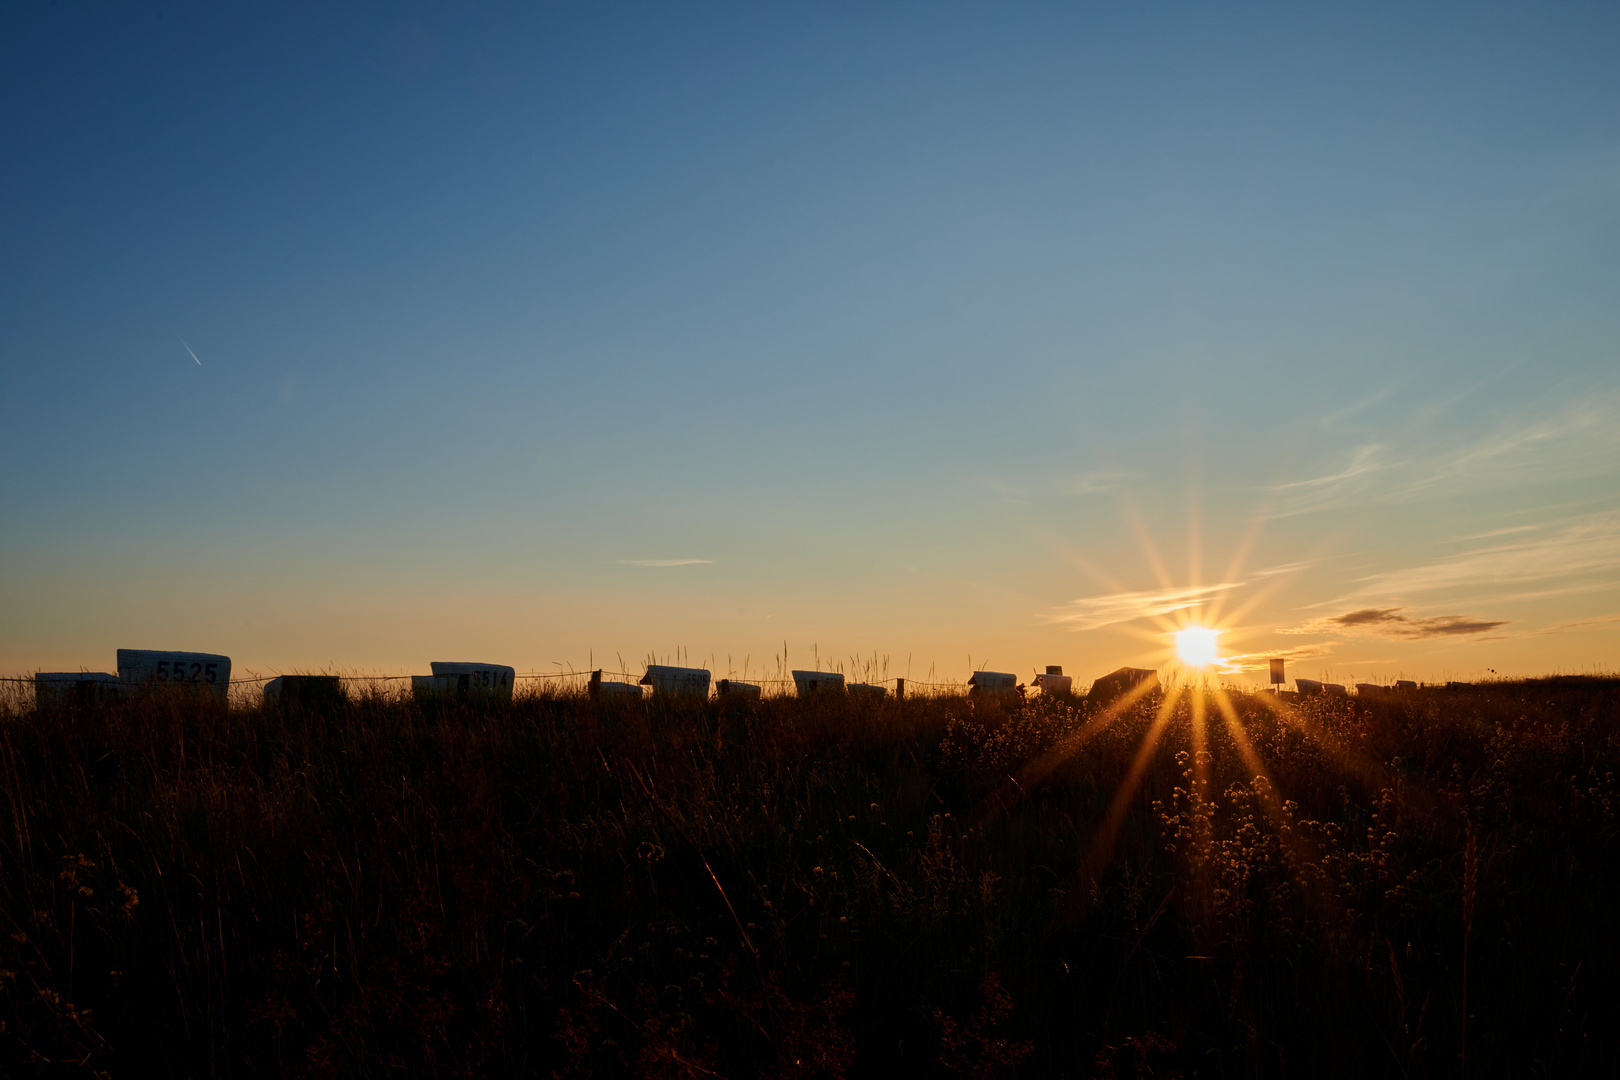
(1389, 622)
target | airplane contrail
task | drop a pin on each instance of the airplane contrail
(188, 349)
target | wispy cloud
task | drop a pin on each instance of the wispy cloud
(665, 562)
(1054, 486)
(1577, 437)
(1391, 623)
(1578, 624)
(1091, 612)
(1587, 548)
(1339, 421)
(1353, 483)
(1575, 431)
(1090, 483)
(1240, 662)
(1286, 568)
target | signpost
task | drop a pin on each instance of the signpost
(1054, 682)
(73, 687)
(677, 681)
(1277, 673)
(146, 668)
(470, 679)
(993, 682)
(731, 688)
(303, 691)
(818, 682)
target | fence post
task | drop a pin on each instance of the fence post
(596, 684)
(899, 689)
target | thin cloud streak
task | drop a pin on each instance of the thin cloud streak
(1577, 438)
(1345, 487)
(188, 349)
(1241, 662)
(1579, 624)
(1287, 568)
(1589, 548)
(1089, 613)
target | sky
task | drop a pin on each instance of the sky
(907, 338)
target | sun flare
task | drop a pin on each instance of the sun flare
(1196, 646)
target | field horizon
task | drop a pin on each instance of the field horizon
(1199, 882)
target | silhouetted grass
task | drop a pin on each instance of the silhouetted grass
(812, 888)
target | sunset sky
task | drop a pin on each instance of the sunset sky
(355, 336)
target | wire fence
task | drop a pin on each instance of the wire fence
(237, 688)
(755, 680)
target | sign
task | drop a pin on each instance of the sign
(432, 684)
(993, 682)
(1277, 672)
(683, 681)
(72, 687)
(818, 682)
(147, 668)
(731, 688)
(303, 690)
(483, 680)
(1055, 683)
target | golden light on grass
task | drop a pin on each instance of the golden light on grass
(1196, 646)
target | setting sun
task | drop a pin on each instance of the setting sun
(1196, 646)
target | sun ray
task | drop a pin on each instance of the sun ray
(1102, 844)
(1034, 772)
(1266, 591)
(1200, 742)
(1149, 549)
(1240, 737)
(1195, 537)
(1240, 555)
(1271, 798)
(1362, 767)
(1074, 555)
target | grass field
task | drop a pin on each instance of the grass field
(1215, 885)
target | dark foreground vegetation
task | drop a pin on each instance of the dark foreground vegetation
(1422, 885)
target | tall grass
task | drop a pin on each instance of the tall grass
(826, 887)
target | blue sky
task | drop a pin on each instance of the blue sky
(932, 330)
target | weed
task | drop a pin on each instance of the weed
(829, 887)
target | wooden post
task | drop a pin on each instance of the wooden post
(900, 689)
(596, 684)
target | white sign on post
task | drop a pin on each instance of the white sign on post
(682, 681)
(1055, 684)
(818, 682)
(622, 690)
(492, 680)
(731, 688)
(993, 682)
(145, 668)
(432, 684)
(65, 687)
(304, 690)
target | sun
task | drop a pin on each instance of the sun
(1196, 646)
